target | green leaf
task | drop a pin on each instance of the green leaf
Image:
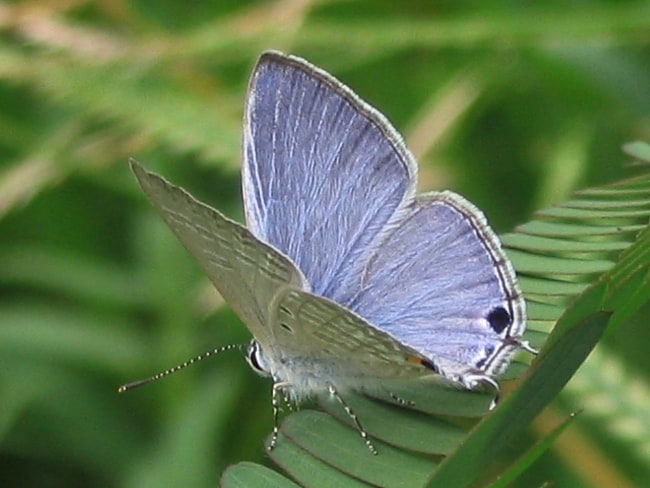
(341, 447)
(406, 429)
(308, 470)
(243, 475)
(519, 466)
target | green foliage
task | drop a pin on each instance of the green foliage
(513, 106)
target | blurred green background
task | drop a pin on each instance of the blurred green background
(513, 104)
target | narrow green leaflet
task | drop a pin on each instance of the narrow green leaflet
(243, 475)
(529, 457)
(309, 471)
(341, 447)
(407, 429)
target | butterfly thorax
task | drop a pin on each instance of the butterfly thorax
(299, 377)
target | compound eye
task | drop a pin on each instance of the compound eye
(255, 358)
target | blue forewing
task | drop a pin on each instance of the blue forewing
(329, 182)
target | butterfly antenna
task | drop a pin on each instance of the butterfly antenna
(167, 372)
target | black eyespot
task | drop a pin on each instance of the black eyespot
(499, 319)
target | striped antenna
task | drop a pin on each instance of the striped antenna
(167, 372)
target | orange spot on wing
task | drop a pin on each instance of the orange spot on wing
(422, 362)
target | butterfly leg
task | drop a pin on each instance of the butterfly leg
(525, 345)
(497, 391)
(473, 380)
(401, 401)
(278, 388)
(352, 415)
(287, 401)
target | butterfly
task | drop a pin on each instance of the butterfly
(344, 276)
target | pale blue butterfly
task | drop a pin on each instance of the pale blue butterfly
(344, 276)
